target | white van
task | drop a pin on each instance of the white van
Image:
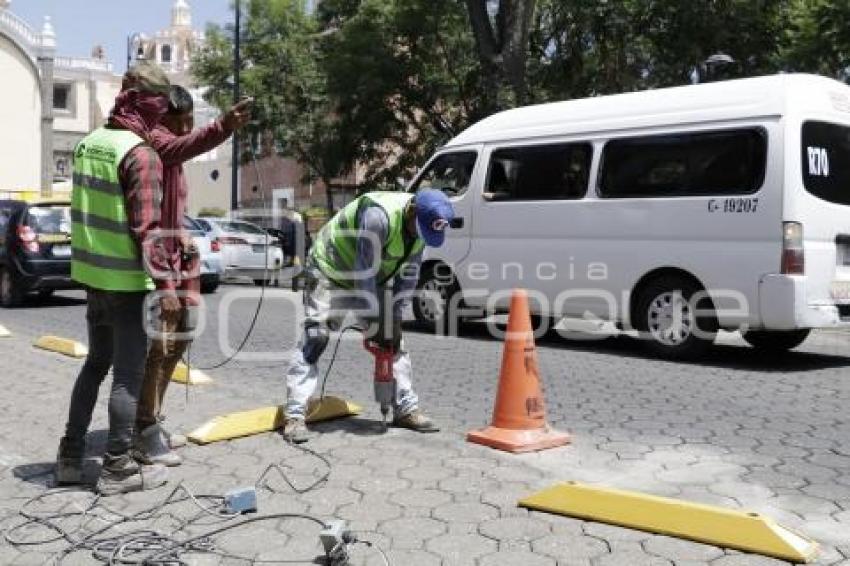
(674, 211)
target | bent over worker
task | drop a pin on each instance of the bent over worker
(371, 248)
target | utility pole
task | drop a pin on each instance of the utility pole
(237, 65)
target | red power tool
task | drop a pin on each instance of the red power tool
(385, 384)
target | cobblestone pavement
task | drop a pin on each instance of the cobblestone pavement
(739, 430)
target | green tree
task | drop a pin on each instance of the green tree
(280, 71)
(817, 38)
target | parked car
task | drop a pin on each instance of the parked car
(246, 249)
(210, 250)
(35, 249)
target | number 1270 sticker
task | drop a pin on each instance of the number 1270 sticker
(735, 205)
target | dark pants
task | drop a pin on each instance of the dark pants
(117, 339)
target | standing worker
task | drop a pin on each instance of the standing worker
(117, 248)
(372, 245)
(176, 143)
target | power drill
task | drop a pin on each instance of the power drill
(385, 384)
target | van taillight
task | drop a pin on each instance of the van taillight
(793, 256)
(29, 241)
(215, 245)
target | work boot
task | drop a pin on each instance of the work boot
(295, 430)
(122, 474)
(151, 447)
(69, 461)
(173, 439)
(415, 420)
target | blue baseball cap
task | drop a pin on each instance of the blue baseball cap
(434, 212)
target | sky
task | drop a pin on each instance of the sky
(82, 24)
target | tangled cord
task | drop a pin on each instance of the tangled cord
(149, 546)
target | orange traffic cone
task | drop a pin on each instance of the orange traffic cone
(519, 417)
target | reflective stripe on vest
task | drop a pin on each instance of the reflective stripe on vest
(335, 249)
(104, 254)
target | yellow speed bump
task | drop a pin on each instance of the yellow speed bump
(749, 532)
(182, 374)
(62, 346)
(266, 419)
(3, 332)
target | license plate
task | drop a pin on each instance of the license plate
(61, 251)
(258, 248)
(840, 290)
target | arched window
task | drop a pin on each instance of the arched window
(166, 54)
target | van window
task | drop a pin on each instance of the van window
(450, 173)
(540, 172)
(826, 161)
(711, 163)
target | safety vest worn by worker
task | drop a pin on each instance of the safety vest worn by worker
(104, 255)
(335, 249)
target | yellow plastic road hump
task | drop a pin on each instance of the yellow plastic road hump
(196, 377)
(331, 408)
(266, 419)
(749, 532)
(62, 346)
(3, 332)
(236, 425)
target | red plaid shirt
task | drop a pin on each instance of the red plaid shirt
(157, 194)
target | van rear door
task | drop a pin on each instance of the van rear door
(822, 205)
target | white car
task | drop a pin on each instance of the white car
(210, 250)
(246, 249)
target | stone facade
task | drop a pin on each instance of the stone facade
(26, 64)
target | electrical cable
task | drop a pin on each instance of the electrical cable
(149, 546)
(265, 281)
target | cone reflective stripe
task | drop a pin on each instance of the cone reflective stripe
(519, 416)
(750, 532)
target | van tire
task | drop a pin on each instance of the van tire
(435, 316)
(11, 294)
(776, 341)
(658, 305)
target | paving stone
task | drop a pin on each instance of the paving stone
(460, 549)
(514, 528)
(679, 550)
(569, 547)
(465, 512)
(748, 560)
(773, 438)
(631, 559)
(417, 529)
(514, 558)
(614, 533)
(420, 497)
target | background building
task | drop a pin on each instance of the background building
(26, 66)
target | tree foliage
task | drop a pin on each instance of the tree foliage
(371, 87)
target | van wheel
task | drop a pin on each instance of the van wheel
(666, 316)
(11, 294)
(776, 341)
(434, 294)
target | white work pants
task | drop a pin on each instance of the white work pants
(324, 304)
